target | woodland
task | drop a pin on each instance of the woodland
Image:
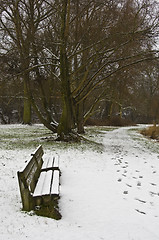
(68, 63)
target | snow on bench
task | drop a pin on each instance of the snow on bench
(39, 181)
(51, 162)
(48, 184)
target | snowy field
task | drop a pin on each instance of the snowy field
(105, 195)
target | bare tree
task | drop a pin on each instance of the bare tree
(84, 49)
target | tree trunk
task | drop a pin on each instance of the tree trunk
(27, 105)
(80, 118)
(67, 120)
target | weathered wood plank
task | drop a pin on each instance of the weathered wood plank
(38, 151)
(35, 163)
(47, 183)
(56, 161)
(39, 186)
(55, 183)
(48, 164)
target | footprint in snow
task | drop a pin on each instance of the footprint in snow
(134, 177)
(116, 164)
(140, 211)
(153, 184)
(120, 179)
(154, 194)
(142, 201)
(125, 166)
(128, 185)
(125, 192)
(139, 184)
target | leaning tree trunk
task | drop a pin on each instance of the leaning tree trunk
(44, 120)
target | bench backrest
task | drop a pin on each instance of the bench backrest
(28, 178)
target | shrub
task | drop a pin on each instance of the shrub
(152, 132)
(113, 121)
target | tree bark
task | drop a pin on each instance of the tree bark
(67, 120)
(27, 105)
(80, 118)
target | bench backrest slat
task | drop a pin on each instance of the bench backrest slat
(32, 171)
(29, 176)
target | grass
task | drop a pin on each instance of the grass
(20, 136)
(23, 136)
(139, 136)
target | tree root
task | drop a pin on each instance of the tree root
(71, 137)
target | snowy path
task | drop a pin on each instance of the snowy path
(137, 171)
(108, 196)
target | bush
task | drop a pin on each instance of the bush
(113, 121)
(152, 132)
(96, 122)
(119, 122)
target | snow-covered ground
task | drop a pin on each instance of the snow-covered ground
(113, 195)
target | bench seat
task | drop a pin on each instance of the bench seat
(40, 180)
(48, 183)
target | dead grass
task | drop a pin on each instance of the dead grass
(152, 132)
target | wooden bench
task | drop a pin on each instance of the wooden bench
(39, 181)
